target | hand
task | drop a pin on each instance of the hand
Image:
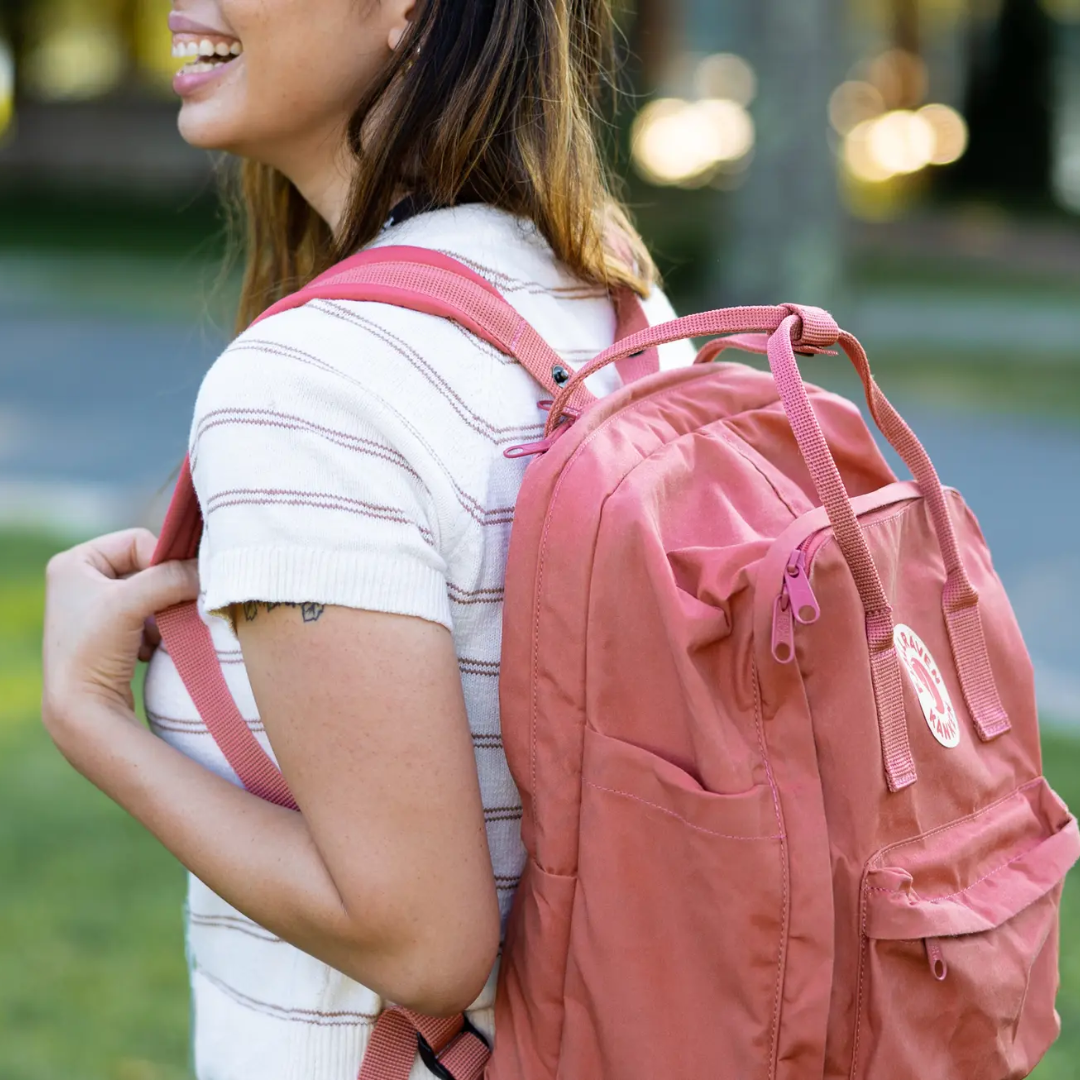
(99, 601)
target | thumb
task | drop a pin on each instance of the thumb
(163, 586)
(120, 554)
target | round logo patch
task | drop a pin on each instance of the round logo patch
(933, 694)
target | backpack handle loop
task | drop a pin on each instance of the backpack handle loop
(742, 320)
(884, 661)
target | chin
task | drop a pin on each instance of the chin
(203, 126)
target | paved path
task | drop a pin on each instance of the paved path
(94, 416)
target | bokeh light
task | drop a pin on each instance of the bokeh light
(901, 77)
(75, 58)
(902, 142)
(7, 86)
(950, 133)
(725, 76)
(685, 144)
(853, 102)
(681, 143)
(859, 156)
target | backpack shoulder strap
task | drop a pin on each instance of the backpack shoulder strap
(429, 281)
(420, 280)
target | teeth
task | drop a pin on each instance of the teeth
(207, 49)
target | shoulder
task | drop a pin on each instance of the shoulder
(337, 363)
(506, 250)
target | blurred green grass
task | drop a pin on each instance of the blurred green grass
(93, 983)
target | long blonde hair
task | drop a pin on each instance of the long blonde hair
(492, 101)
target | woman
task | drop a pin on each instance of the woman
(348, 460)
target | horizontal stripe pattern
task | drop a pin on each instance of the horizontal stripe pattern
(352, 453)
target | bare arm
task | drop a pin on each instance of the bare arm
(385, 873)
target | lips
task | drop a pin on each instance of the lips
(181, 24)
(208, 59)
(209, 53)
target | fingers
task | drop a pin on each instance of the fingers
(163, 586)
(121, 554)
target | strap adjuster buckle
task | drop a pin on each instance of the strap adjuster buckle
(432, 1059)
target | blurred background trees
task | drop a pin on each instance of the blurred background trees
(775, 127)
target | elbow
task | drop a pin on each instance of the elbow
(440, 989)
(441, 972)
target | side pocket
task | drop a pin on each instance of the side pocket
(960, 960)
(529, 1005)
(678, 919)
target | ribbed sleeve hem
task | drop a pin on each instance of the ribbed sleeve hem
(367, 581)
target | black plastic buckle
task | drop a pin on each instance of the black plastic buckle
(431, 1059)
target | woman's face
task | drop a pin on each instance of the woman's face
(284, 75)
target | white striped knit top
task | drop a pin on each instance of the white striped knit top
(352, 454)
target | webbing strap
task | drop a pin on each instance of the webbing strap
(189, 643)
(433, 283)
(631, 320)
(706, 324)
(453, 1047)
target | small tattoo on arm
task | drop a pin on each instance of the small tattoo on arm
(309, 612)
(312, 612)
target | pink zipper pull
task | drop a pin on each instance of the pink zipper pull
(544, 445)
(804, 604)
(938, 968)
(783, 630)
(795, 604)
(529, 449)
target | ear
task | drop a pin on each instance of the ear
(403, 16)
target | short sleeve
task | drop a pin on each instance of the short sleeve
(311, 482)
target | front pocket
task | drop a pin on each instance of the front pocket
(675, 942)
(960, 960)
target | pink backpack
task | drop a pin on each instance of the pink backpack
(771, 718)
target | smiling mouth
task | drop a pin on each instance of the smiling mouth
(205, 52)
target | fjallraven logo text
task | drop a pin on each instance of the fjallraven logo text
(926, 677)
